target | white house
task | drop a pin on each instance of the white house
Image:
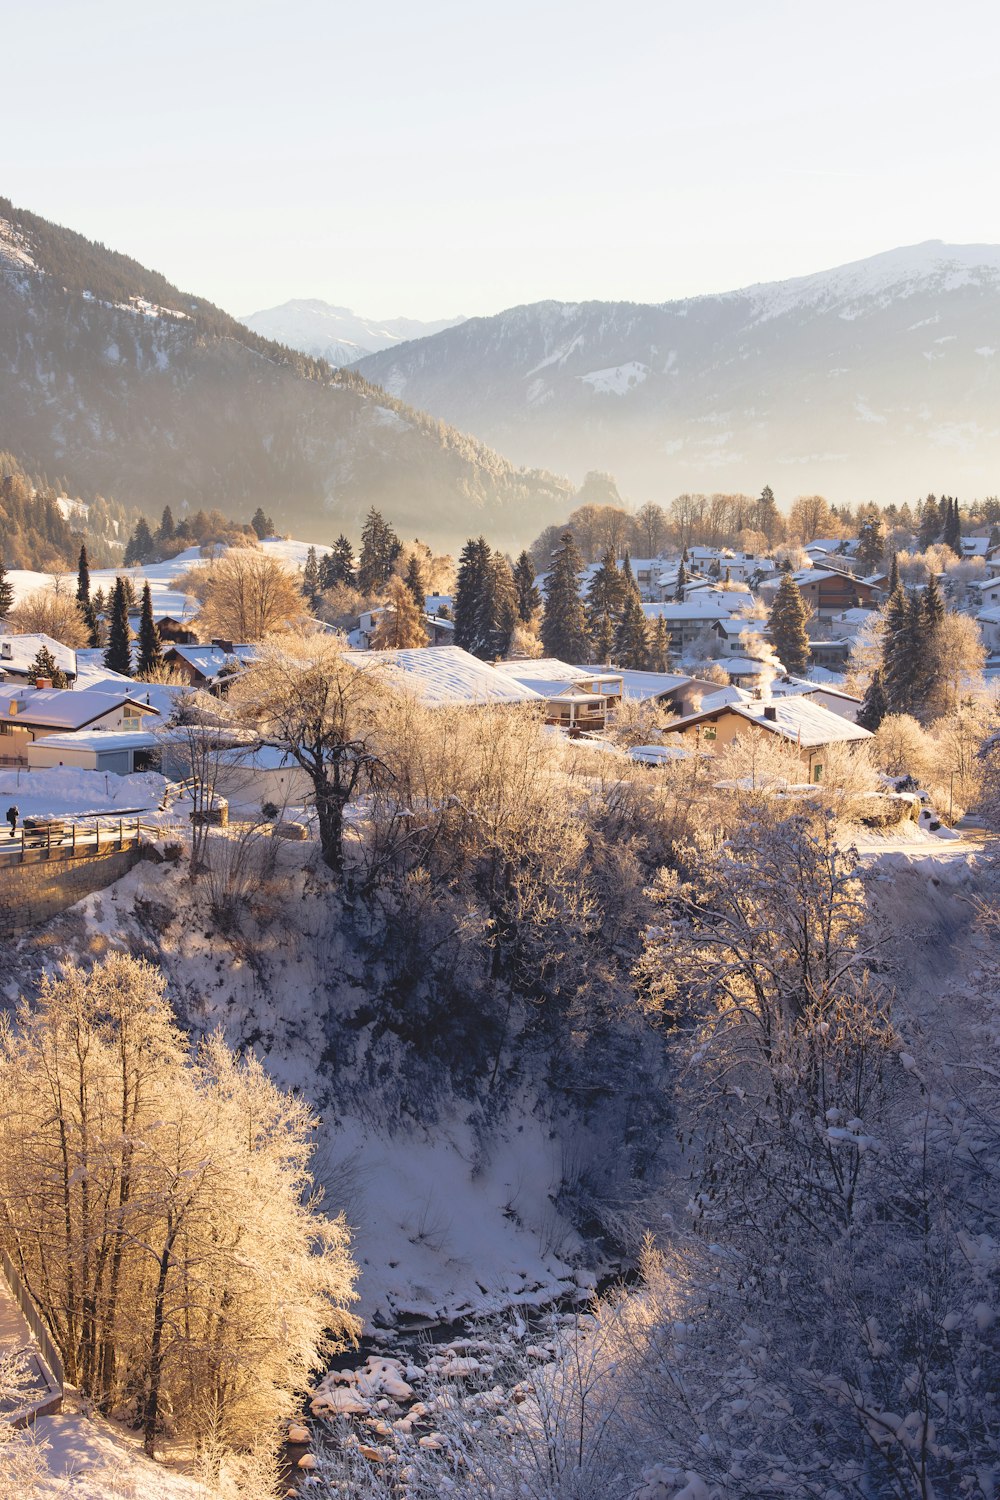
(29, 714)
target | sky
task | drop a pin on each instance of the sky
(452, 158)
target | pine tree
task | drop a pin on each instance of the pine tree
(898, 661)
(768, 518)
(83, 577)
(338, 566)
(682, 580)
(380, 546)
(6, 590)
(875, 707)
(871, 544)
(632, 636)
(603, 639)
(262, 525)
(529, 599)
(930, 523)
(604, 600)
(470, 591)
(118, 655)
(894, 573)
(787, 627)
(166, 528)
(92, 623)
(501, 607)
(414, 580)
(952, 534)
(564, 624)
(45, 665)
(310, 578)
(659, 648)
(150, 652)
(140, 545)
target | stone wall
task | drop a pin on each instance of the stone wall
(32, 892)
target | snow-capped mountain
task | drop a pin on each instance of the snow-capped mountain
(111, 375)
(337, 334)
(876, 379)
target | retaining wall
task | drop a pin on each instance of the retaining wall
(33, 892)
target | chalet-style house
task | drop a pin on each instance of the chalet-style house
(797, 719)
(828, 591)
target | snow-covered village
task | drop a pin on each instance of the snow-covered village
(499, 810)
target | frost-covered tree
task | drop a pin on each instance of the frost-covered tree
(400, 625)
(564, 624)
(248, 595)
(787, 627)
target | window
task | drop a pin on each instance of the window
(709, 732)
(130, 721)
(818, 771)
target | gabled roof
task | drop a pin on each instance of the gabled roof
(699, 606)
(209, 661)
(796, 719)
(24, 648)
(63, 708)
(641, 687)
(551, 669)
(443, 675)
(737, 627)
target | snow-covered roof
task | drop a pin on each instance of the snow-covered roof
(796, 718)
(990, 616)
(101, 739)
(642, 686)
(833, 544)
(17, 652)
(209, 661)
(723, 696)
(747, 666)
(441, 675)
(551, 669)
(783, 686)
(975, 546)
(740, 627)
(63, 708)
(699, 606)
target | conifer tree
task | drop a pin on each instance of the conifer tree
(871, 544)
(500, 607)
(118, 655)
(768, 516)
(874, 707)
(659, 648)
(632, 635)
(603, 639)
(898, 655)
(83, 577)
(682, 580)
(380, 546)
(262, 525)
(140, 546)
(414, 581)
(150, 651)
(310, 578)
(787, 627)
(564, 624)
(166, 528)
(952, 534)
(604, 600)
(338, 566)
(471, 613)
(930, 523)
(6, 590)
(45, 665)
(529, 599)
(894, 573)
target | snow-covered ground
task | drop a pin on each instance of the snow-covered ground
(66, 792)
(92, 1459)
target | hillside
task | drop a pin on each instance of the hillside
(875, 380)
(111, 374)
(336, 334)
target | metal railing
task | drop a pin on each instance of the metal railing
(33, 1318)
(70, 840)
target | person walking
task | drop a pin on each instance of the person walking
(13, 813)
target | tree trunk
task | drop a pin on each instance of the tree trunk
(152, 1408)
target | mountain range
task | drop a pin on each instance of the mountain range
(113, 377)
(875, 380)
(337, 334)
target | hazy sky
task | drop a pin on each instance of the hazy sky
(442, 158)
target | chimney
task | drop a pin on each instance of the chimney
(7, 651)
(43, 682)
(771, 712)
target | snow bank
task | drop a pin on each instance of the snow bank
(66, 792)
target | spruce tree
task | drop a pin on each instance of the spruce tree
(6, 590)
(500, 607)
(380, 546)
(414, 580)
(682, 580)
(92, 623)
(874, 707)
(898, 656)
(83, 577)
(659, 647)
(150, 652)
(262, 525)
(140, 546)
(604, 600)
(564, 624)
(952, 534)
(603, 639)
(632, 636)
(894, 573)
(310, 577)
(930, 523)
(118, 655)
(166, 528)
(471, 615)
(338, 566)
(871, 544)
(529, 599)
(768, 516)
(787, 627)
(45, 665)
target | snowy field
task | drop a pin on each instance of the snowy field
(66, 792)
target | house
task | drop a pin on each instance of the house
(203, 666)
(824, 693)
(832, 655)
(986, 590)
(440, 631)
(576, 698)
(17, 652)
(444, 678)
(750, 672)
(681, 693)
(29, 714)
(730, 633)
(828, 591)
(797, 719)
(696, 615)
(96, 750)
(989, 627)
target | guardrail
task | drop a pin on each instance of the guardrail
(73, 839)
(33, 1318)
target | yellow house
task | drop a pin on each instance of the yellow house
(798, 720)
